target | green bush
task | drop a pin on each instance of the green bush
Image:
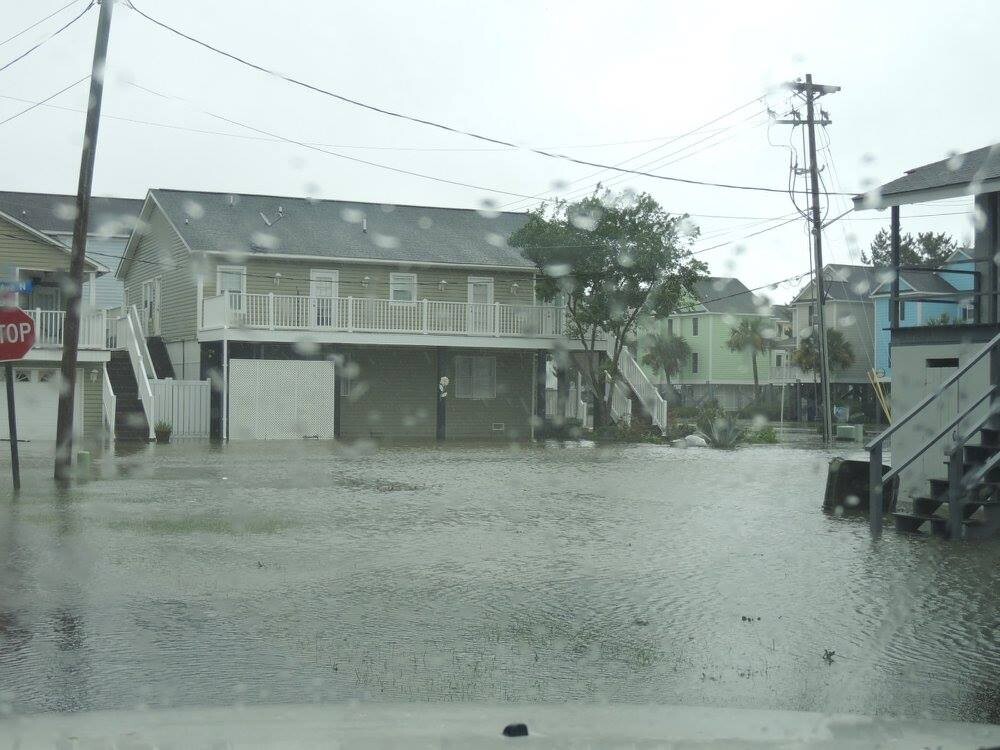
(724, 433)
(765, 435)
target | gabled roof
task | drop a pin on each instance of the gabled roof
(724, 294)
(843, 283)
(970, 173)
(53, 213)
(927, 282)
(100, 268)
(286, 227)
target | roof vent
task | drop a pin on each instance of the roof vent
(232, 200)
(364, 225)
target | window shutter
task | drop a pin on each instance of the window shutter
(463, 377)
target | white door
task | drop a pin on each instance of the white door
(480, 314)
(272, 399)
(323, 298)
(150, 313)
(36, 400)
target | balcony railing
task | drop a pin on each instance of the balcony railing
(366, 315)
(49, 325)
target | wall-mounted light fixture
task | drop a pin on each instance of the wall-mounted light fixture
(513, 288)
(441, 285)
(277, 279)
(365, 281)
(93, 376)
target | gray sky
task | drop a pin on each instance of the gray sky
(566, 74)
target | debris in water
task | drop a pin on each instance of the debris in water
(828, 655)
(515, 730)
(640, 622)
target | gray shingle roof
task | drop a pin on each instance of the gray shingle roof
(919, 281)
(962, 169)
(52, 213)
(723, 294)
(230, 222)
(845, 283)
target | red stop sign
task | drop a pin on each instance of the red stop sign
(17, 333)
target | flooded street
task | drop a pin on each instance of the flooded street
(304, 572)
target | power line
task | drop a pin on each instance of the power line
(49, 37)
(772, 285)
(39, 21)
(48, 98)
(448, 128)
(745, 237)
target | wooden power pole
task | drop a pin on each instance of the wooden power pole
(813, 91)
(74, 294)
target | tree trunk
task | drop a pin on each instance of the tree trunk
(756, 379)
(602, 408)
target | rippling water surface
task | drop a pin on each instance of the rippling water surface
(300, 572)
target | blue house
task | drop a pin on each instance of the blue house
(918, 305)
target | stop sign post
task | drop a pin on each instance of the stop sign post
(17, 336)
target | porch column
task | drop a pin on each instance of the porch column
(562, 393)
(442, 397)
(93, 290)
(987, 244)
(894, 240)
(541, 371)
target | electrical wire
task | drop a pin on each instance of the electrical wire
(48, 98)
(39, 21)
(771, 285)
(48, 38)
(448, 128)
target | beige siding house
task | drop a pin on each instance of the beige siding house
(33, 268)
(253, 291)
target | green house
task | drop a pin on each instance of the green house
(717, 306)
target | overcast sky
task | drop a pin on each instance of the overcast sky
(557, 74)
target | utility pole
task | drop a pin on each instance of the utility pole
(71, 326)
(813, 91)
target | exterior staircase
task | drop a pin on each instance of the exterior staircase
(159, 357)
(966, 505)
(632, 376)
(130, 418)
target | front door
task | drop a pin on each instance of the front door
(323, 298)
(150, 313)
(480, 313)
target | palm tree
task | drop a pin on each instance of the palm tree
(667, 353)
(840, 354)
(751, 336)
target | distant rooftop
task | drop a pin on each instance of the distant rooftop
(54, 213)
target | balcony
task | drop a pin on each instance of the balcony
(49, 325)
(355, 318)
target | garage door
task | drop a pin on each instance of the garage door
(36, 400)
(275, 399)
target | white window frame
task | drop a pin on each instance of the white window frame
(466, 389)
(219, 270)
(398, 280)
(488, 280)
(695, 328)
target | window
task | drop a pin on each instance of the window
(902, 310)
(777, 360)
(231, 279)
(694, 361)
(694, 326)
(403, 287)
(475, 377)
(670, 327)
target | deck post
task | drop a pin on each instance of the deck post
(541, 371)
(350, 314)
(496, 318)
(894, 243)
(442, 394)
(956, 494)
(270, 310)
(423, 328)
(875, 490)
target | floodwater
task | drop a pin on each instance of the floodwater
(303, 572)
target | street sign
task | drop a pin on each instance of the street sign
(17, 333)
(17, 336)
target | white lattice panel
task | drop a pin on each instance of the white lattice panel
(273, 399)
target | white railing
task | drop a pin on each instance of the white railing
(621, 404)
(789, 374)
(110, 402)
(130, 336)
(368, 315)
(633, 375)
(50, 325)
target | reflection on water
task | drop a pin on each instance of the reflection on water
(303, 572)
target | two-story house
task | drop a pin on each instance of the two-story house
(338, 319)
(716, 307)
(34, 268)
(926, 298)
(110, 224)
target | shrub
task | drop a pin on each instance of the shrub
(765, 435)
(724, 433)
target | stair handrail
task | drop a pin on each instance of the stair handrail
(144, 347)
(110, 402)
(136, 345)
(876, 482)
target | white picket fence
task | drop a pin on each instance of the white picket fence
(185, 404)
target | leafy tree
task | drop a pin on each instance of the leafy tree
(927, 249)
(841, 355)
(612, 258)
(751, 336)
(667, 353)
